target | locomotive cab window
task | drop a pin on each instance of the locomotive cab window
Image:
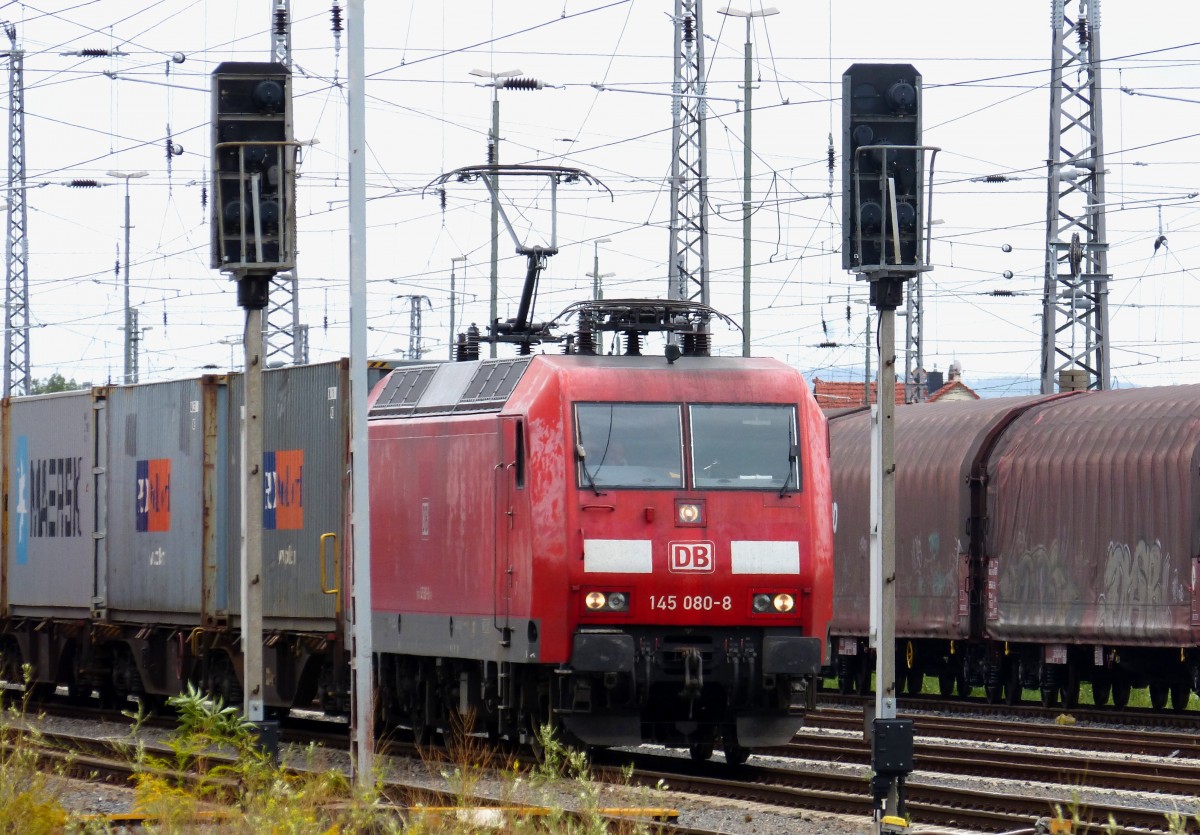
(745, 447)
(634, 445)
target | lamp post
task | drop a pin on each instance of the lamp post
(507, 80)
(595, 274)
(453, 261)
(131, 332)
(746, 159)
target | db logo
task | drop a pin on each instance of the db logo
(691, 557)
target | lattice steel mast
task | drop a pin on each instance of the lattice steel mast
(688, 257)
(16, 293)
(1075, 342)
(414, 325)
(285, 342)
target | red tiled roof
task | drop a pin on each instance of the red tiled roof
(831, 394)
(953, 385)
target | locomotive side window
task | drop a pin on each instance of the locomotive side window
(745, 447)
(629, 445)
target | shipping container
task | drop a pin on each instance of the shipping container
(161, 468)
(51, 554)
(306, 480)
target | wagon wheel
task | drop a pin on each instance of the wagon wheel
(1070, 689)
(862, 677)
(946, 683)
(701, 751)
(1120, 691)
(1012, 687)
(1049, 695)
(960, 682)
(1159, 691)
(1101, 687)
(914, 681)
(1181, 694)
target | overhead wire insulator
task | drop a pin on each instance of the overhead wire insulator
(828, 344)
(94, 53)
(491, 152)
(521, 83)
(281, 23)
(1003, 293)
(336, 14)
(689, 29)
(83, 183)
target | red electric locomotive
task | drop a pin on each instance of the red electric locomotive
(630, 548)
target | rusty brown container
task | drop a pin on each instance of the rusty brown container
(1094, 520)
(937, 449)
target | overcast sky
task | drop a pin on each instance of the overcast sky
(986, 104)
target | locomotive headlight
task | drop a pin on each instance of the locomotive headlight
(689, 513)
(764, 603)
(613, 601)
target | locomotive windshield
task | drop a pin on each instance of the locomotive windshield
(733, 446)
(629, 445)
(744, 447)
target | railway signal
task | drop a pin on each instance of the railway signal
(254, 175)
(253, 237)
(883, 214)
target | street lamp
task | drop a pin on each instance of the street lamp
(507, 80)
(596, 275)
(453, 261)
(746, 156)
(131, 332)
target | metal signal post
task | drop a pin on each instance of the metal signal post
(885, 241)
(253, 237)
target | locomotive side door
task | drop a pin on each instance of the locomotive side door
(512, 523)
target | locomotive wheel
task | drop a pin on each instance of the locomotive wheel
(1120, 692)
(734, 753)
(418, 716)
(1159, 691)
(1181, 694)
(701, 751)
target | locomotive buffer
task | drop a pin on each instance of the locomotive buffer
(885, 241)
(253, 227)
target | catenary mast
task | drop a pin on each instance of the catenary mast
(1075, 342)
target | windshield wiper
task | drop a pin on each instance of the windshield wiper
(582, 454)
(793, 454)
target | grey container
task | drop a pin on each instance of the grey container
(306, 452)
(938, 449)
(50, 454)
(161, 444)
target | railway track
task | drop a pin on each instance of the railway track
(930, 799)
